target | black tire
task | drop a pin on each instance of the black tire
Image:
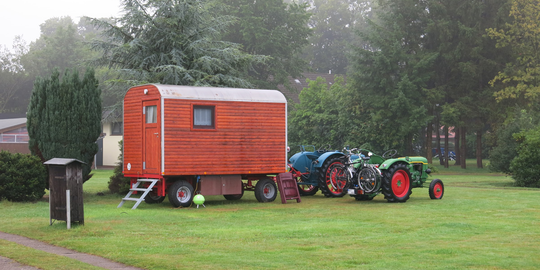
(235, 197)
(436, 189)
(396, 185)
(332, 178)
(152, 198)
(265, 190)
(363, 197)
(306, 190)
(181, 193)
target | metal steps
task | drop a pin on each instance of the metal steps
(136, 187)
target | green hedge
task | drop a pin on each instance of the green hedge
(22, 177)
(525, 167)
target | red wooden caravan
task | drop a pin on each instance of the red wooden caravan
(181, 140)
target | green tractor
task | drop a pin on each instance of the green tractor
(368, 174)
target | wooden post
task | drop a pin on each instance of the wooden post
(68, 209)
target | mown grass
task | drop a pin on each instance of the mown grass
(483, 222)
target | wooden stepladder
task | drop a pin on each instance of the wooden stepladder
(288, 188)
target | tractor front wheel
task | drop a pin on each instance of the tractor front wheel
(436, 189)
(181, 193)
(265, 190)
(397, 183)
(333, 178)
(306, 190)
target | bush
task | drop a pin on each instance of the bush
(506, 150)
(526, 166)
(118, 183)
(22, 177)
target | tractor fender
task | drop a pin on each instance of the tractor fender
(389, 162)
(327, 155)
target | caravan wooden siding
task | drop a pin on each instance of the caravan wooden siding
(133, 127)
(249, 138)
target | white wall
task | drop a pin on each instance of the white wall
(111, 151)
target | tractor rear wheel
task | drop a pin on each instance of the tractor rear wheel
(397, 183)
(333, 178)
(181, 193)
(265, 190)
(306, 190)
(436, 189)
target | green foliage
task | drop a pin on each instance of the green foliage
(22, 177)
(118, 183)
(15, 85)
(520, 77)
(525, 167)
(506, 148)
(172, 42)
(64, 117)
(424, 62)
(59, 46)
(388, 88)
(334, 23)
(501, 155)
(315, 120)
(272, 28)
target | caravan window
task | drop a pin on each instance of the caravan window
(151, 114)
(204, 117)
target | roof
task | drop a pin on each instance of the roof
(61, 161)
(220, 93)
(10, 124)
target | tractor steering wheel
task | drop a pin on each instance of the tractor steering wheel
(389, 154)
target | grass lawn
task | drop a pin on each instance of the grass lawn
(483, 222)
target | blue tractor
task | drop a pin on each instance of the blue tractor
(312, 169)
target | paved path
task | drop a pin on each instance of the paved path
(9, 264)
(83, 257)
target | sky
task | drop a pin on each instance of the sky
(23, 17)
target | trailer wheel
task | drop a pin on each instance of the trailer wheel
(306, 190)
(181, 194)
(265, 190)
(436, 189)
(152, 197)
(235, 197)
(333, 178)
(397, 183)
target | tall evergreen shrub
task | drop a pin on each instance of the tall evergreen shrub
(64, 117)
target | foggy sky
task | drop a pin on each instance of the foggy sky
(23, 17)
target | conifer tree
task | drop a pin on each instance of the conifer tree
(64, 117)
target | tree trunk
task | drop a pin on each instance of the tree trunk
(463, 151)
(479, 149)
(446, 150)
(429, 142)
(438, 130)
(457, 145)
(408, 145)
